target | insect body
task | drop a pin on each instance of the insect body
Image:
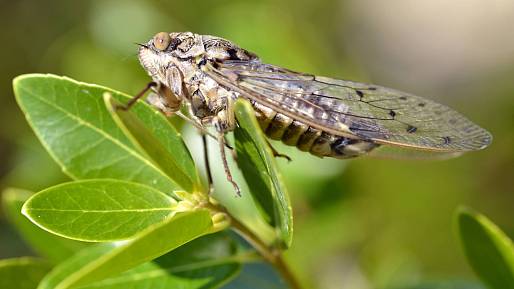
(325, 116)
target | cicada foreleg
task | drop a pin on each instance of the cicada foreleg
(135, 98)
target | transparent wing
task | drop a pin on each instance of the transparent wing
(353, 109)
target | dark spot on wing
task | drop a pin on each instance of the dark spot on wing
(359, 93)
(392, 113)
(372, 88)
(447, 140)
(411, 129)
(403, 97)
(421, 104)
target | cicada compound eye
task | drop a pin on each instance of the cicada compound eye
(161, 40)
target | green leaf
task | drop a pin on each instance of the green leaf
(489, 251)
(98, 210)
(75, 265)
(173, 159)
(73, 124)
(260, 172)
(45, 244)
(206, 262)
(109, 260)
(22, 273)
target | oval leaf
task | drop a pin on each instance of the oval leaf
(73, 124)
(47, 245)
(75, 264)
(489, 251)
(257, 163)
(204, 263)
(173, 159)
(22, 273)
(106, 261)
(98, 210)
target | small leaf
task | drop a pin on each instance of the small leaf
(71, 121)
(260, 172)
(105, 261)
(98, 210)
(47, 245)
(204, 263)
(489, 251)
(75, 264)
(174, 159)
(22, 273)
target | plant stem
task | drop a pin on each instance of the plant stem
(272, 256)
(284, 269)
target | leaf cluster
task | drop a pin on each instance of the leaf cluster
(136, 211)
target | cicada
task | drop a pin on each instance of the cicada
(324, 116)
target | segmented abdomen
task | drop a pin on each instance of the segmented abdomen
(292, 132)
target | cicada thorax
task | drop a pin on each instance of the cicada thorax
(278, 126)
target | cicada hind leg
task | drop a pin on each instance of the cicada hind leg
(221, 144)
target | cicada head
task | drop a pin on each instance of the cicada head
(166, 49)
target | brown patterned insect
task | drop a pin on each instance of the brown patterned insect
(324, 116)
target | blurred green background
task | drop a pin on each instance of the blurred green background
(363, 223)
